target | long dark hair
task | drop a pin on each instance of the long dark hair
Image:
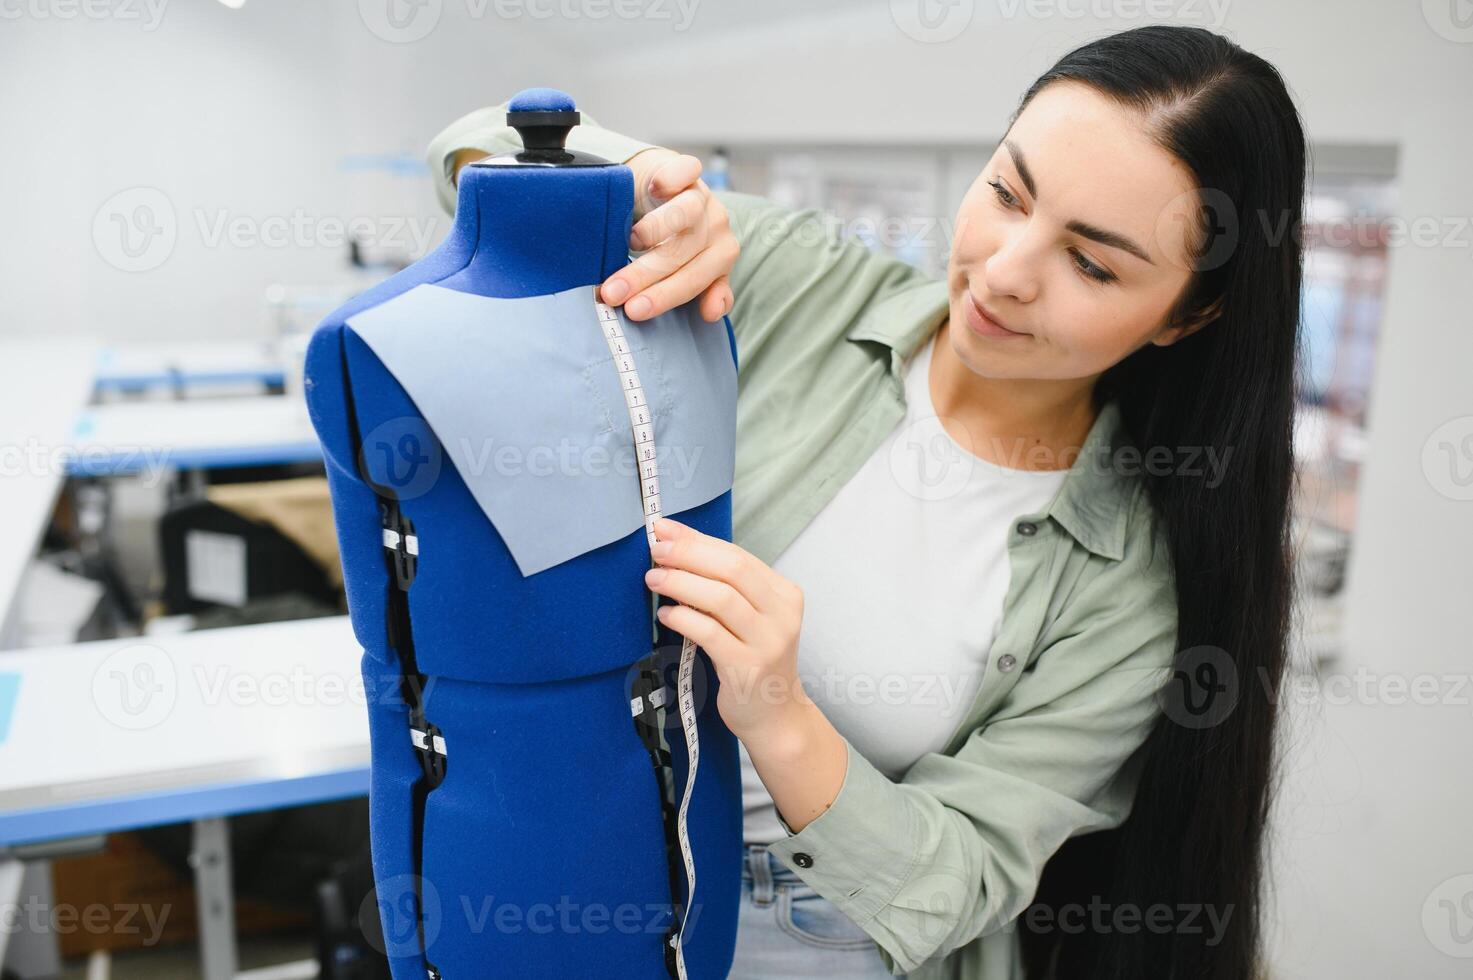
(1195, 834)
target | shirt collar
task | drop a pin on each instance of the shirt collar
(905, 318)
(1092, 502)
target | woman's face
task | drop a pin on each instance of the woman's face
(1074, 236)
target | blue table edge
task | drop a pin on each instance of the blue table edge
(81, 818)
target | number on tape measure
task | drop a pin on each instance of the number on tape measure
(641, 420)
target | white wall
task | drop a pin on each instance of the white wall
(212, 110)
(857, 76)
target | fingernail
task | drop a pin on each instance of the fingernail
(661, 549)
(615, 290)
(639, 306)
(655, 576)
(634, 245)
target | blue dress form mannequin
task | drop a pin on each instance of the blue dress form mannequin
(536, 842)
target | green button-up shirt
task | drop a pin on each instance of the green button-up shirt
(938, 866)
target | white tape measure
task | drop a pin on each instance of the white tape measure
(641, 420)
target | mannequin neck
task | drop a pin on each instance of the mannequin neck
(525, 231)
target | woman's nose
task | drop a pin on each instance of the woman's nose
(1012, 270)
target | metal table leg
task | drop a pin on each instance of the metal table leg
(28, 948)
(12, 870)
(216, 901)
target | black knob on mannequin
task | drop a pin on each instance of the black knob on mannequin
(543, 117)
(544, 133)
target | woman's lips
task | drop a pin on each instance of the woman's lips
(983, 325)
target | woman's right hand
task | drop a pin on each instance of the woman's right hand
(685, 235)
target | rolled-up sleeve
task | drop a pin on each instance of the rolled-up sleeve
(955, 849)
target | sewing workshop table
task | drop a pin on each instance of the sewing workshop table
(129, 438)
(47, 388)
(113, 735)
(188, 365)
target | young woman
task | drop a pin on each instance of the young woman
(1003, 625)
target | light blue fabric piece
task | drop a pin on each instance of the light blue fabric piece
(526, 401)
(9, 690)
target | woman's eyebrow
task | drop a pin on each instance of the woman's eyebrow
(1080, 228)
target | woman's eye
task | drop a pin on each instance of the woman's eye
(1090, 269)
(1084, 265)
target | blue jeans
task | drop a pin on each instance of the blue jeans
(787, 930)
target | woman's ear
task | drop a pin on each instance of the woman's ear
(1187, 326)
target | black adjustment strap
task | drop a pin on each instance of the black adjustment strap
(672, 937)
(401, 542)
(401, 553)
(402, 557)
(430, 744)
(650, 706)
(401, 545)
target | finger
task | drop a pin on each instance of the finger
(660, 258)
(669, 179)
(684, 283)
(716, 599)
(716, 300)
(643, 272)
(707, 633)
(674, 252)
(685, 210)
(716, 558)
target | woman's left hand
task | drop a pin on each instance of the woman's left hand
(746, 616)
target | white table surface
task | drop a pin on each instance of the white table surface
(138, 365)
(47, 388)
(114, 734)
(145, 436)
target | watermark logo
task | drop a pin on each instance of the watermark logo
(1098, 917)
(136, 687)
(149, 13)
(941, 895)
(1209, 13)
(1447, 458)
(1447, 917)
(302, 230)
(932, 21)
(135, 229)
(1450, 19)
(403, 454)
(400, 21)
(927, 463)
(1202, 690)
(662, 689)
(397, 902)
(406, 21)
(94, 919)
(149, 464)
(1219, 222)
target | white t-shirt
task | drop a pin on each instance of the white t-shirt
(904, 573)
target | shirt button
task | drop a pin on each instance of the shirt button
(803, 860)
(1028, 529)
(1006, 662)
